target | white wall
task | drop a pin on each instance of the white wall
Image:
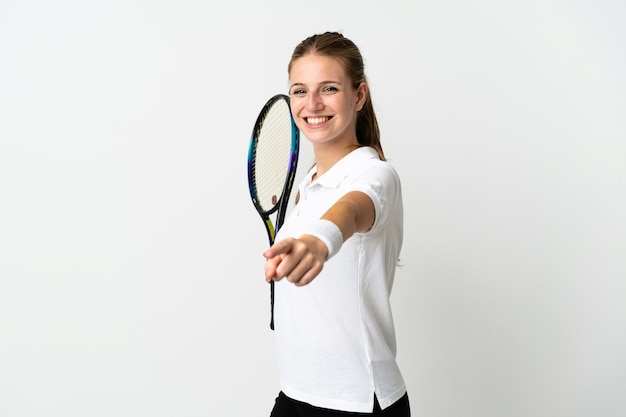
(130, 255)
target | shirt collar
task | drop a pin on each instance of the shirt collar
(338, 172)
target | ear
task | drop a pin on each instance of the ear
(361, 96)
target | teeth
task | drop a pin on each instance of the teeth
(316, 120)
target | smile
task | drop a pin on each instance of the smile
(317, 120)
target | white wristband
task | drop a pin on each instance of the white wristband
(329, 233)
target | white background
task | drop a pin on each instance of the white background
(130, 255)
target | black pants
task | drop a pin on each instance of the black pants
(287, 407)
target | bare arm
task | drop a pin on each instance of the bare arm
(302, 259)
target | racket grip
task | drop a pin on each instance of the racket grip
(329, 233)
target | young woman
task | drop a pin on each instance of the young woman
(335, 256)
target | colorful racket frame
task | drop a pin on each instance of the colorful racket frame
(282, 202)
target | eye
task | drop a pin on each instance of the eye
(297, 92)
(329, 89)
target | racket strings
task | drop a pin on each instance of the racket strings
(273, 155)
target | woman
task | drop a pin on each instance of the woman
(335, 256)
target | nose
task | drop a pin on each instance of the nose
(314, 102)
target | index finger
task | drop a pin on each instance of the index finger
(282, 247)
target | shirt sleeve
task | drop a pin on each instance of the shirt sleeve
(380, 181)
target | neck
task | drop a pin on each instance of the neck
(326, 156)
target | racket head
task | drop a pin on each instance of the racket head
(273, 158)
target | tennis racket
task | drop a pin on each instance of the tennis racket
(272, 163)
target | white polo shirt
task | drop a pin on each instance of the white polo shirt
(335, 337)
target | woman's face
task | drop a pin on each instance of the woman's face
(323, 103)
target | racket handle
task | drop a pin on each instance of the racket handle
(272, 305)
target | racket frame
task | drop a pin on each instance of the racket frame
(280, 208)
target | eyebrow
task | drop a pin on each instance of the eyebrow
(322, 83)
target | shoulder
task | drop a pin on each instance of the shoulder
(369, 168)
(378, 179)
